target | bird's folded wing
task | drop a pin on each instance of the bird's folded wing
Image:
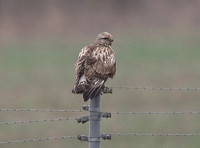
(93, 89)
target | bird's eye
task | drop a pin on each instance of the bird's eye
(106, 38)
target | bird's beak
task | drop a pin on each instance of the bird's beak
(111, 39)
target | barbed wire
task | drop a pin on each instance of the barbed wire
(68, 110)
(160, 113)
(38, 110)
(155, 88)
(36, 139)
(114, 134)
(156, 134)
(36, 121)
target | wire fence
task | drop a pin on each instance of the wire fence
(114, 134)
(113, 113)
(155, 88)
(38, 110)
(36, 121)
(68, 110)
(155, 134)
(159, 113)
(36, 139)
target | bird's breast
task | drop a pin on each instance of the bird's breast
(105, 60)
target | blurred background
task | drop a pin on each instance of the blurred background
(157, 44)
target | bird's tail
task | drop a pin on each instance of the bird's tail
(93, 89)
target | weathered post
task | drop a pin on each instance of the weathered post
(95, 122)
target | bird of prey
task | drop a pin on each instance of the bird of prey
(96, 63)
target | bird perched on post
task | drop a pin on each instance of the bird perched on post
(96, 63)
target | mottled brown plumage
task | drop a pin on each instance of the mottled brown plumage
(95, 64)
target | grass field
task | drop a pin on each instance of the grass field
(41, 75)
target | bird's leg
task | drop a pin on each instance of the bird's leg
(102, 89)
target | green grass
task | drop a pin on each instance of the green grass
(41, 75)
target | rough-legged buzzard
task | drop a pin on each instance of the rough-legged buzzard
(96, 63)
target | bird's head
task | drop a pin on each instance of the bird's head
(105, 39)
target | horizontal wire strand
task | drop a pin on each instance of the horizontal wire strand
(36, 139)
(156, 134)
(160, 113)
(155, 88)
(129, 112)
(114, 134)
(38, 110)
(36, 121)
